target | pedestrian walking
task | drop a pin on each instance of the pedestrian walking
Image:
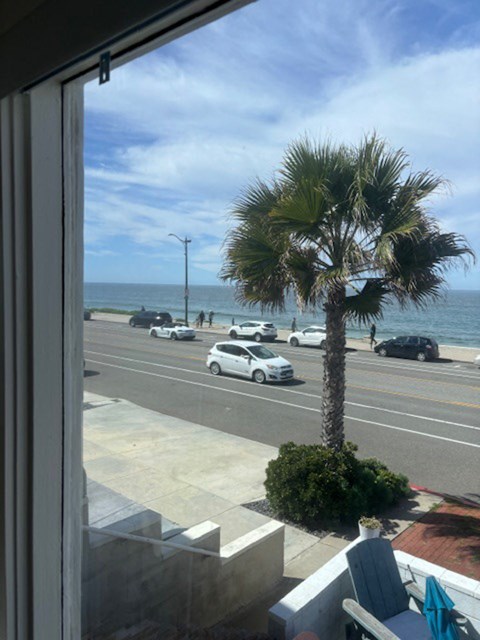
(294, 325)
(201, 317)
(210, 317)
(197, 321)
(373, 331)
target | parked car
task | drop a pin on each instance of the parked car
(312, 336)
(253, 329)
(87, 314)
(149, 319)
(476, 361)
(415, 347)
(173, 331)
(248, 360)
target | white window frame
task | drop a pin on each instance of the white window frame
(41, 291)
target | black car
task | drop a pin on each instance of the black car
(415, 347)
(149, 319)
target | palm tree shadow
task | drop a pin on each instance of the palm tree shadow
(458, 526)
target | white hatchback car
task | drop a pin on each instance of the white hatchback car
(253, 329)
(173, 331)
(313, 336)
(248, 360)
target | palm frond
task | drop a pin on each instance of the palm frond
(368, 304)
(421, 261)
(337, 213)
(255, 262)
(257, 200)
(304, 268)
(305, 161)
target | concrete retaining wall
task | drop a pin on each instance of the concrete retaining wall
(125, 582)
(316, 604)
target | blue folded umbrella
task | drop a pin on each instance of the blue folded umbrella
(437, 609)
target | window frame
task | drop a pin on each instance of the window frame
(41, 292)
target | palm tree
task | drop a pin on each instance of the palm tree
(337, 220)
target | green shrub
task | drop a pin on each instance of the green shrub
(312, 484)
(396, 483)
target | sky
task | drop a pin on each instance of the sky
(175, 135)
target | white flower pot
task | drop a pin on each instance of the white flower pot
(366, 534)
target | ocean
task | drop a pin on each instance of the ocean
(453, 320)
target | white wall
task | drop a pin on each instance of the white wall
(316, 604)
(126, 582)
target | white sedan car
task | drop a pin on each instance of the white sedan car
(312, 336)
(173, 331)
(248, 360)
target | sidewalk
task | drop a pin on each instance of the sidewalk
(190, 473)
(448, 352)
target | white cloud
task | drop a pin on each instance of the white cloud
(190, 125)
(101, 252)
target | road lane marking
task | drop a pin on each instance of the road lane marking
(438, 382)
(351, 385)
(310, 395)
(472, 405)
(283, 349)
(420, 433)
(412, 415)
(379, 362)
(452, 374)
(282, 402)
(433, 382)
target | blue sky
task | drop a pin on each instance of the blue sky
(175, 135)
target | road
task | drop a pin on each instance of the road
(421, 419)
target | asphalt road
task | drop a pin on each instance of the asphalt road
(421, 419)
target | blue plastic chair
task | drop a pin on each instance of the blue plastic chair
(381, 610)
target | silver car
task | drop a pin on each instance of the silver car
(248, 360)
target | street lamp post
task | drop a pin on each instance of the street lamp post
(185, 246)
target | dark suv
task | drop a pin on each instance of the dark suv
(149, 319)
(414, 347)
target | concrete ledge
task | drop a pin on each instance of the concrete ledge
(205, 535)
(258, 536)
(464, 592)
(316, 604)
(125, 581)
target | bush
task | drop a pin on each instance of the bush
(313, 484)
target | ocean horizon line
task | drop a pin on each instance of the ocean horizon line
(190, 286)
(452, 318)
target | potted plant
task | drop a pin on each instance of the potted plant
(369, 527)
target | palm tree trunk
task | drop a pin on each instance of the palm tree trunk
(334, 371)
